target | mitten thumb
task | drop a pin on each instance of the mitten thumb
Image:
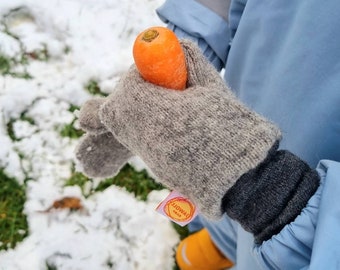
(101, 156)
(89, 120)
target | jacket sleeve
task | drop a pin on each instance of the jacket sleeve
(199, 21)
(312, 241)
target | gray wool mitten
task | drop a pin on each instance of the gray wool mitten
(198, 141)
(201, 142)
(98, 153)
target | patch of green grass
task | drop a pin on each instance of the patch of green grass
(67, 49)
(110, 264)
(93, 88)
(50, 266)
(10, 129)
(13, 223)
(73, 108)
(69, 130)
(139, 183)
(182, 231)
(9, 65)
(5, 64)
(78, 179)
(28, 119)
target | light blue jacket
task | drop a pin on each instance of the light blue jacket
(282, 59)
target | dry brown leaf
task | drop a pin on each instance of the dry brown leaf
(71, 203)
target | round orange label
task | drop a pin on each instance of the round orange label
(179, 209)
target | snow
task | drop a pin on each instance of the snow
(86, 40)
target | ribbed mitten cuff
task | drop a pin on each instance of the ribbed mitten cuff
(272, 195)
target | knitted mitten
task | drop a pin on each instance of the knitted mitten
(205, 144)
(198, 141)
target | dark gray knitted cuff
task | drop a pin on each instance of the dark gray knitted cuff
(272, 195)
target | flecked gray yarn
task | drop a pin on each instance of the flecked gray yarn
(89, 120)
(98, 154)
(198, 141)
(101, 155)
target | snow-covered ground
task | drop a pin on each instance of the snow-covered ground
(86, 40)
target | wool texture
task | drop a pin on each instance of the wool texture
(198, 141)
(272, 195)
(101, 155)
(89, 120)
